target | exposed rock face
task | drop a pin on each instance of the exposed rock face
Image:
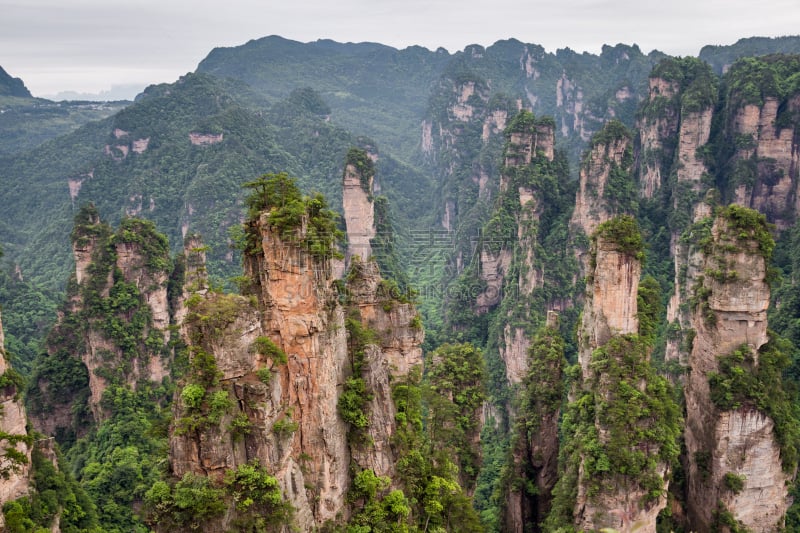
(535, 437)
(611, 306)
(467, 121)
(493, 268)
(400, 339)
(570, 97)
(530, 141)
(675, 131)
(205, 139)
(694, 133)
(296, 305)
(359, 211)
(115, 321)
(730, 313)
(614, 361)
(765, 164)
(13, 470)
(607, 154)
(529, 362)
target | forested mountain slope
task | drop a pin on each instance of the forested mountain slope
(606, 335)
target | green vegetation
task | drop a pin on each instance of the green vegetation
(265, 346)
(265, 116)
(623, 233)
(257, 497)
(352, 403)
(748, 225)
(54, 493)
(306, 221)
(455, 377)
(424, 467)
(734, 482)
(753, 79)
(363, 164)
(640, 422)
(188, 503)
(537, 407)
(741, 382)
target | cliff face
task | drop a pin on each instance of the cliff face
(732, 440)
(114, 326)
(534, 449)
(765, 162)
(654, 129)
(462, 142)
(605, 187)
(530, 348)
(285, 357)
(529, 149)
(624, 420)
(15, 444)
(590, 207)
(359, 212)
(611, 305)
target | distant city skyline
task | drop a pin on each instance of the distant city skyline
(94, 46)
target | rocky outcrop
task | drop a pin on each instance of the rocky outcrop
(493, 267)
(15, 443)
(535, 435)
(610, 157)
(569, 97)
(359, 211)
(285, 355)
(611, 305)
(732, 443)
(114, 326)
(530, 144)
(205, 139)
(765, 162)
(624, 412)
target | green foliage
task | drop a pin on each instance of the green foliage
(748, 225)
(734, 482)
(122, 457)
(649, 308)
(192, 395)
(188, 504)
(455, 395)
(424, 469)
(53, 493)
(724, 520)
(378, 509)
(537, 407)
(265, 346)
(355, 397)
(622, 232)
(741, 382)
(752, 79)
(641, 425)
(264, 375)
(257, 497)
(302, 220)
(612, 131)
(151, 245)
(353, 401)
(543, 384)
(363, 164)
(385, 250)
(285, 426)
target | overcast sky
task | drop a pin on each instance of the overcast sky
(92, 45)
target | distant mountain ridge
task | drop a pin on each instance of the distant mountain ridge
(10, 86)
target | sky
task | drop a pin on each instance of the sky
(91, 46)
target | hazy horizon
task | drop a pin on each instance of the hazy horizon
(91, 46)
